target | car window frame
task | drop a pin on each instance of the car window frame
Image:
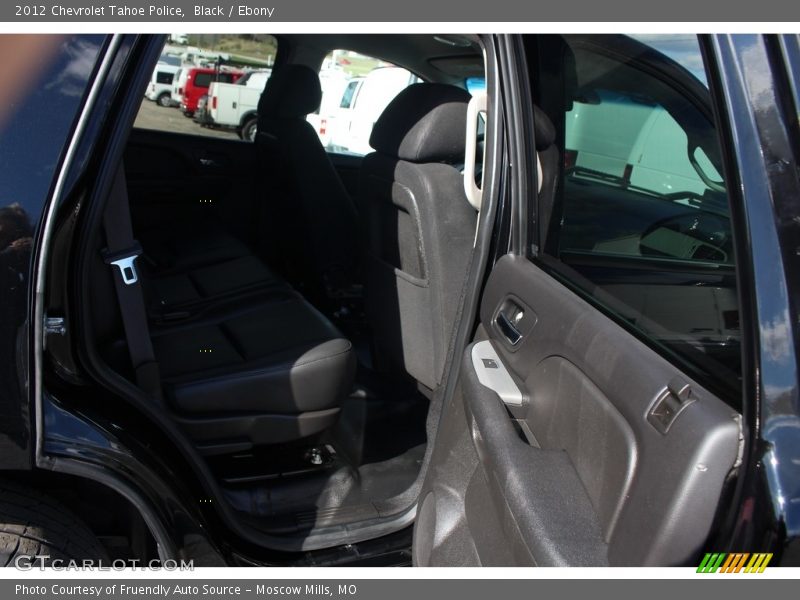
(357, 91)
(201, 133)
(707, 375)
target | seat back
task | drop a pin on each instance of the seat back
(420, 228)
(309, 212)
(548, 163)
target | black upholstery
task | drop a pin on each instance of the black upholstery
(420, 228)
(318, 222)
(210, 283)
(193, 267)
(175, 250)
(544, 131)
(292, 92)
(278, 356)
(547, 152)
(424, 123)
(244, 359)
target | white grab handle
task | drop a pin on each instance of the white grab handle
(477, 105)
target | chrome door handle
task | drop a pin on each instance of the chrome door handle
(508, 329)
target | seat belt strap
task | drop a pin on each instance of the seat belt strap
(120, 254)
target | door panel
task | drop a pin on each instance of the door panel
(581, 473)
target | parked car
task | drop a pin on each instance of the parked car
(178, 83)
(333, 82)
(202, 114)
(195, 83)
(234, 105)
(516, 340)
(170, 59)
(160, 88)
(629, 137)
(336, 113)
(351, 125)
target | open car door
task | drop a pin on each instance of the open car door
(595, 419)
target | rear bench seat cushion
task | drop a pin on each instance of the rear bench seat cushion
(279, 357)
(180, 249)
(204, 283)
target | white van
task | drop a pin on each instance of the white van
(333, 82)
(235, 104)
(362, 104)
(160, 88)
(635, 141)
(178, 83)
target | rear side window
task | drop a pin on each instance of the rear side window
(255, 79)
(162, 77)
(355, 90)
(225, 58)
(640, 221)
(349, 94)
(224, 77)
(203, 79)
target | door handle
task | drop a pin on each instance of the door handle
(210, 163)
(508, 328)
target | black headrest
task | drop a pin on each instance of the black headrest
(292, 91)
(543, 129)
(424, 123)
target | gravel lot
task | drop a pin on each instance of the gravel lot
(153, 116)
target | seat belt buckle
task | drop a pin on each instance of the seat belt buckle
(125, 260)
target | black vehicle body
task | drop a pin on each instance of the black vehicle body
(57, 434)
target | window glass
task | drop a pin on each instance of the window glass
(204, 79)
(349, 93)
(255, 79)
(475, 84)
(640, 214)
(177, 99)
(171, 60)
(355, 90)
(682, 48)
(163, 77)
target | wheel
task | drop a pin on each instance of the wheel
(188, 114)
(249, 129)
(164, 99)
(33, 524)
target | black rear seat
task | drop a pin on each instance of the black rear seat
(178, 249)
(191, 269)
(180, 294)
(244, 359)
(269, 371)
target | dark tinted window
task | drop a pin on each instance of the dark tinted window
(347, 97)
(163, 77)
(642, 219)
(203, 79)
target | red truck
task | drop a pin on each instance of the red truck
(193, 83)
